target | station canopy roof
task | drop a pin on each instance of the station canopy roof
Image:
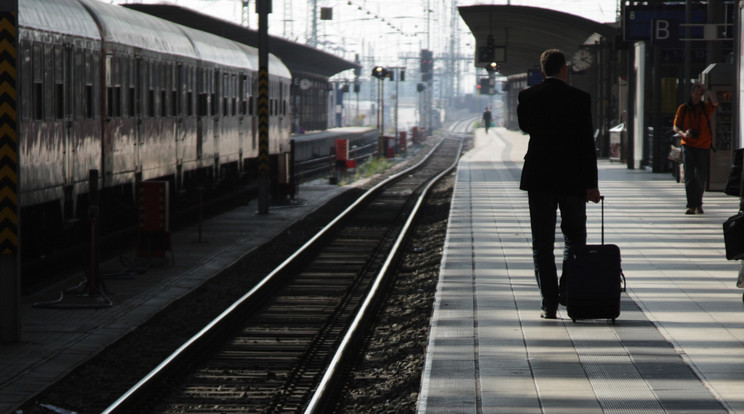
(525, 32)
(299, 58)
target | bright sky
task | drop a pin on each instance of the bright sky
(356, 20)
(385, 31)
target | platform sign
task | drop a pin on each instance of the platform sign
(638, 22)
(10, 326)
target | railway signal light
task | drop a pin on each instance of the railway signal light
(427, 60)
(379, 72)
(485, 87)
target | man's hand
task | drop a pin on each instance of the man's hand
(592, 194)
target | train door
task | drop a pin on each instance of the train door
(141, 77)
(217, 118)
(242, 95)
(177, 113)
(204, 123)
(62, 72)
(63, 80)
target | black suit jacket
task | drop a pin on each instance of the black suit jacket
(561, 156)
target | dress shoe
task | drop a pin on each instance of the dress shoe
(549, 314)
(699, 210)
(690, 211)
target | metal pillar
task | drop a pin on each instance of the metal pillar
(10, 271)
(263, 8)
(688, 52)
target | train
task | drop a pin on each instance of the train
(109, 92)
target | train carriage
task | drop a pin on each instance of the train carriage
(60, 132)
(135, 98)
(141, 55)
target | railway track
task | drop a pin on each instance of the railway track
(290, 335)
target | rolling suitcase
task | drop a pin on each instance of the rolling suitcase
(733, 236)
(593, 280)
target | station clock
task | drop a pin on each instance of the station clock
(582, 60)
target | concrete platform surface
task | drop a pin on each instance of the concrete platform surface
(677, 347)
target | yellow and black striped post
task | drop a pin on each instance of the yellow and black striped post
(263, 8)
(10, 327)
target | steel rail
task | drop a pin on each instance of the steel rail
(321, 392)
(122, 402)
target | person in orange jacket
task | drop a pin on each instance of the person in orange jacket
(692, 123)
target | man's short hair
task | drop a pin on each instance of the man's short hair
(551, 62)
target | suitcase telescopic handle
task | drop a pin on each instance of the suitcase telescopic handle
(601, 198)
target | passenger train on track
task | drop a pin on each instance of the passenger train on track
(135, 98)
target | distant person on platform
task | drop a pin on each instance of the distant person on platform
(560, 168)
(487, 118)
(692, 123)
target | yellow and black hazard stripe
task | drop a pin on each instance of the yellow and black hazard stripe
(263, 119)
(8, 136)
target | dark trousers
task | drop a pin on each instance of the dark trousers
(695, 162)
(543, 208)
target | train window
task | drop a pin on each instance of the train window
(88, 79)
(151, 103)
(77, 93)
(89, 101)
(175, 107)
(132, 100)
(203, 104)
(202, 94)
(139, 76)
(241, 94)
(38, 101)
(59, 101)
(175, 90)
(123, 86)
(250, 105)
(38, 90)
(117, 101)
(59, 86)
(215, 93)
(190, 92)
(163, 104)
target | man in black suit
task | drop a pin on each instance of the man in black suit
(560, 168)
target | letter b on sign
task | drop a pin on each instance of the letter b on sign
(664, 32)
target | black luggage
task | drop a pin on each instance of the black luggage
(593, 280)
(733, 236)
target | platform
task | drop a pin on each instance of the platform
(677, 346)
(54, 340)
